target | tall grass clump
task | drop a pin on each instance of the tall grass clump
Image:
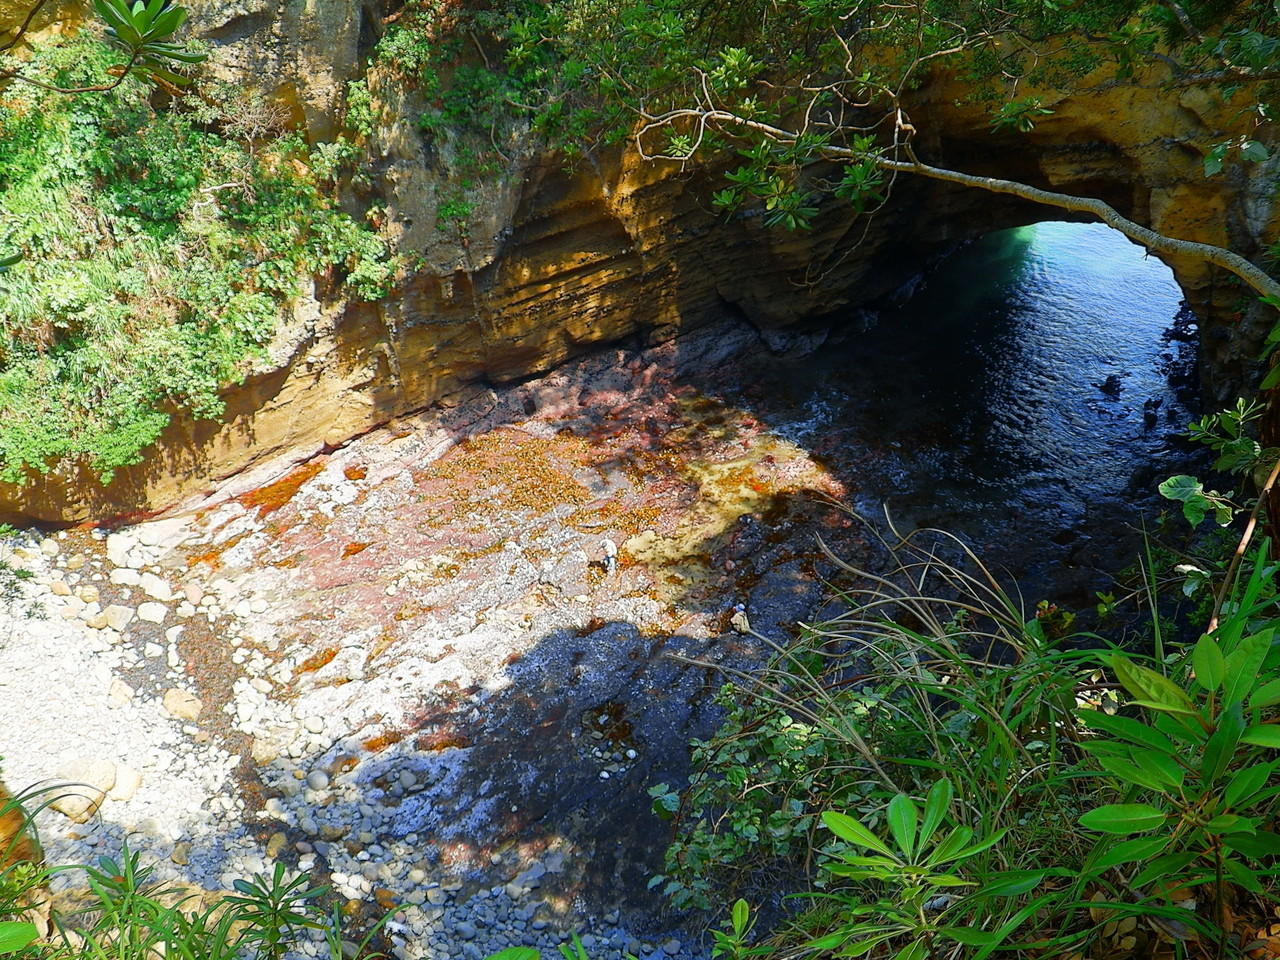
(939, 772)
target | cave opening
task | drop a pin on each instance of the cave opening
(1028, 393)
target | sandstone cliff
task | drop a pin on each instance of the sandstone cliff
(555, 260)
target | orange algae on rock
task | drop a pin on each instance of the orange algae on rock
(275, 495)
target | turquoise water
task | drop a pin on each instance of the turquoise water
(1036, 375)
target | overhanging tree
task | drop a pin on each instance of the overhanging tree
(788, 83)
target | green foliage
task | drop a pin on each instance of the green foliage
(1180, 782)
(128, 916)
(921, 900)
(1021, 115)
(864, 707)
(143, 29)
(1197, 502)
(159, 248)
(1196, 765)
(1230, 435)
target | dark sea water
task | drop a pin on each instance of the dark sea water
(1029, 393)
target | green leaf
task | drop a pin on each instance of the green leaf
(1242, 666)
(1012, 884)
(1213, 159)
(1267, 695)
(1170, 865)
(1188, 490)
(1246, 784)
(1127, 728)
(1259, 845)
(903, 817)
(1123, 818)
(1162, 768)
(969, 936)
(1243, 876)
(515, 953)
(1131, 773)
(1147, 685)
(1253, 151)
(847, 828)
(936, 805)
(741, 914)
(1111, 854)
(1208, 662)
(1220, 748)
(16, 935)
(1262, 735)
(951, 845)
(1271, 380)
(1230, 823)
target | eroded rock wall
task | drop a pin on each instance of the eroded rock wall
(557, 260)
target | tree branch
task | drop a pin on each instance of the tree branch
(1254, 276)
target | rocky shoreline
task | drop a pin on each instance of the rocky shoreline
(404, 667)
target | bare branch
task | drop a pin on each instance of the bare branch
(1254, 276)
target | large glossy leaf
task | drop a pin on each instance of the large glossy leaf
(1257, 845)
(1012, 884)
(1230, 823)
(1242, 666)
(1267, 695)
(847, 828)
(1126, 728)
(1209, 663)
(1132, 774)
(1170, 865)
(1123, 818)
(1246, 784)
(903, 818)
(936, 805)
(969, 936)
(1151, 689)
(1220, 748)
(1162, 767)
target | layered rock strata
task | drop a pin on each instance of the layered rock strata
(559, 261)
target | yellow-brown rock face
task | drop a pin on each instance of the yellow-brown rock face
(560, 262)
